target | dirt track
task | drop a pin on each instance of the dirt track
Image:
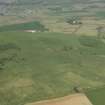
(76, 99)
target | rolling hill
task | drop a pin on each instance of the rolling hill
(59, 57)
(37, 66)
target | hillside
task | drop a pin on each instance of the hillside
(36, 66)
(50, 49)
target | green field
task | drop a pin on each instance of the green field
(100, 14)
(36, 66)
(97, 96)
(59, 57)
(34, 25)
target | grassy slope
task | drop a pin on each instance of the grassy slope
(97, 96)
(44, 65)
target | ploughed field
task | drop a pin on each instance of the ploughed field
(39, 66)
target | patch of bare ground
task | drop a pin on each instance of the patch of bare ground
(76, 99)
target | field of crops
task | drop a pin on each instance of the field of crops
(54, 14)
(36, 66)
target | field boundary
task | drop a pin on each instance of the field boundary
(65, 98)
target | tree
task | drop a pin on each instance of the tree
(75, 20)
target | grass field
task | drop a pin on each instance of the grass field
(34, 25)
(43, 65)
(37, 66)
(97, 96)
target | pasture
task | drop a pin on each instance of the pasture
(39, 66)
(97, 96)
(58, 57)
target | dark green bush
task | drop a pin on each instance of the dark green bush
(91, 42)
